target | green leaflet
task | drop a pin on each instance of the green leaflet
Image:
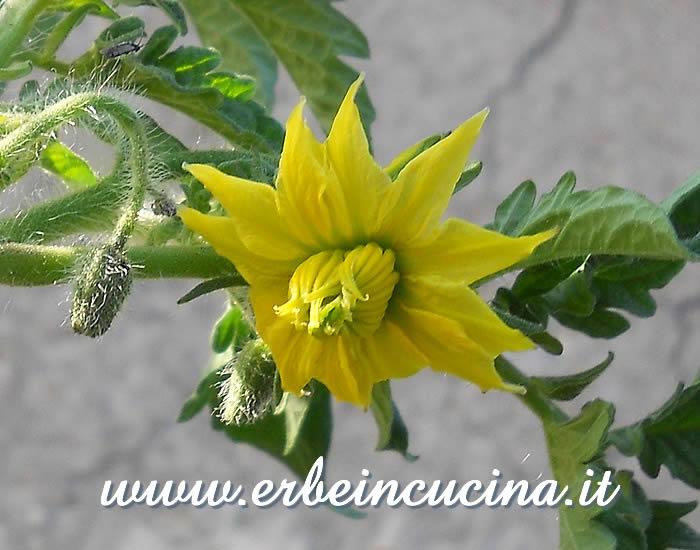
(565, 388)
(683, 208)
(306, 36)
(642, 524)
(629, 517)
(670, 437)
(231, 331)
(613, 247)
(393, 434)
(609, 220)
(297, 432)
(185, 79)
(513, 210)
(171, 8)
(70, 167)
(666, 529)
(572, 446)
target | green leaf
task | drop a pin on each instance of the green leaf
(670, 437)
(683, 208)
(641, 524)
(572, 446)
(512, 211)
(573, 295)
(184, 79)
(171, 8)
(628, 518)
(530, 318)
(539, 279)
(602, 323)
(70, 167)
(307, 36)
(565, 388)
(393, 435)
(126, 29)
(206, 393)
(231, 331)
(609, 220)
(547, 342)
(667, 531)
(297, 433)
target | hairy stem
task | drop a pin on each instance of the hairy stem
(37, 265)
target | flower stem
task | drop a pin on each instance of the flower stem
(534, 399)
(37, 265)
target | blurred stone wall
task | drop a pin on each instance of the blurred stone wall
(608, 89)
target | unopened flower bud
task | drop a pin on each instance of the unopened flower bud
(100, 290)
(251, 392)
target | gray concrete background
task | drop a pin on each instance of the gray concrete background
(608, 89)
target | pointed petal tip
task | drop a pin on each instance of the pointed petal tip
(479, 118)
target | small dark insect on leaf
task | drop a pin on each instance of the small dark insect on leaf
(163, 206)
(117, 50)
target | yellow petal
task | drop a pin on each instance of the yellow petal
(360, 178)
(466, 252)
(251, 206)
(390, 353)
(289, 348)
(413, 205)
(335, 361)
(308, 193)
(221, 233)
(448, 349)
(458, 302)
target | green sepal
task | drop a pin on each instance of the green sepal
(231, 331)
(209, 286)
(393, 434)
(407, 155)
(471, 172)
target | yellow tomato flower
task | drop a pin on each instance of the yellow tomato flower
(353, 278)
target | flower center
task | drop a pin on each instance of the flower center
(341, 288)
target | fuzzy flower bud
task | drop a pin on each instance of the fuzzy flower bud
(251, 391)
(100, 290)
